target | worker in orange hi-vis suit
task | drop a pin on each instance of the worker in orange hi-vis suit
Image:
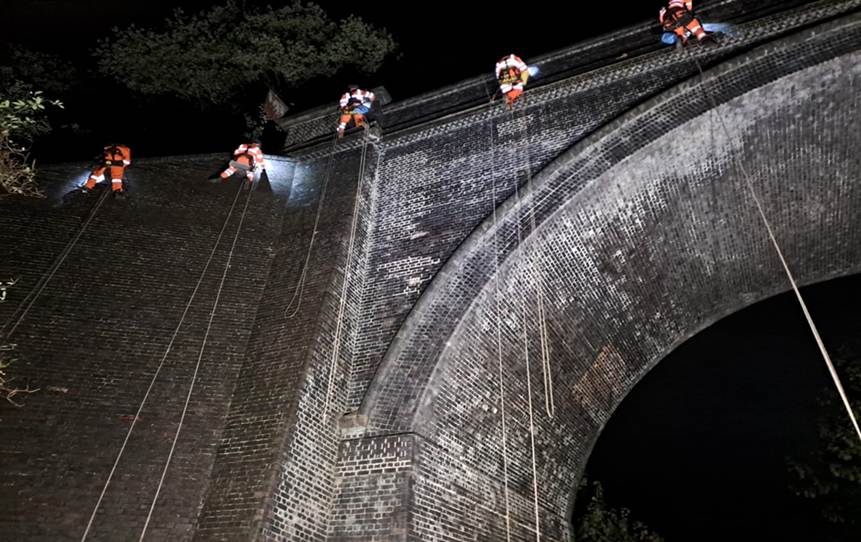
(116, 157)
(250, 155)
(679, 17)
(354, 104)
(512, 74)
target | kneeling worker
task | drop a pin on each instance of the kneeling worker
(248, 158)
(116, 157)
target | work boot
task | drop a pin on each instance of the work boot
(680, 43)
(709, 41)
(340, 134)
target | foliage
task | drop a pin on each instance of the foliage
(48, 72)
(600, 523)
(21, 120)
(7, 390)
(831, 474)
(211, 57)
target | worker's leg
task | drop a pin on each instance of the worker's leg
(360, 121)
(345, 119)
(228, 172)
(512, 95)
(696, 29)
(97, 176)
(117, 178)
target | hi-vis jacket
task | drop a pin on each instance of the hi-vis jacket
(676, 4)
(358, 97)
(256, 152)
(511, 61)
(115, 154)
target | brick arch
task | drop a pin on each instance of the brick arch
(638, 254)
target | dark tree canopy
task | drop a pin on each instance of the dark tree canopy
(831, 475)
(210, 57)
(595, 521)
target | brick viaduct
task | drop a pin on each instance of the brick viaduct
(610, 201)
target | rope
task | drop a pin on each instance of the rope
(336, 349)
(546, 367)
(160, 365)
(300, 285)
(197, 365)
(34, 294)
(499, 337)
(801, 302)
(528, 382)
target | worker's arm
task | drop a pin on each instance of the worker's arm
(240, 150)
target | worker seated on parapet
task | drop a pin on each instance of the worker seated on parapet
(354, 104)
(679, 18)
(512, 74)
(249, 157)
(115, 158)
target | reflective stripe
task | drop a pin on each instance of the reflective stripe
(511, 61)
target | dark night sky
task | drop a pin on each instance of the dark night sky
(697, 449)
(452, 44)
(464, 41)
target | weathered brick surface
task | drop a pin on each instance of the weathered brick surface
(644, 235)
(100, 328)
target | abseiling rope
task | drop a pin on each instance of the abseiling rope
(523, 312)
(546, 367)
(499, 333)
(34, 294)
(160, 365)
(336, 347)
(197, 365)
(300, 284)
(771, 236)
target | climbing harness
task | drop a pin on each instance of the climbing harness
(771, 236)
(509, 76)
(136, 417)
(24, 307)
(336, 347)
(299, 292)
(676, 18)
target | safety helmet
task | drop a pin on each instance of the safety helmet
(351, 87)
(253, 141)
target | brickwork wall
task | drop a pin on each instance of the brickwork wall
(274, 474)
(99, 330)
(636, 254)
